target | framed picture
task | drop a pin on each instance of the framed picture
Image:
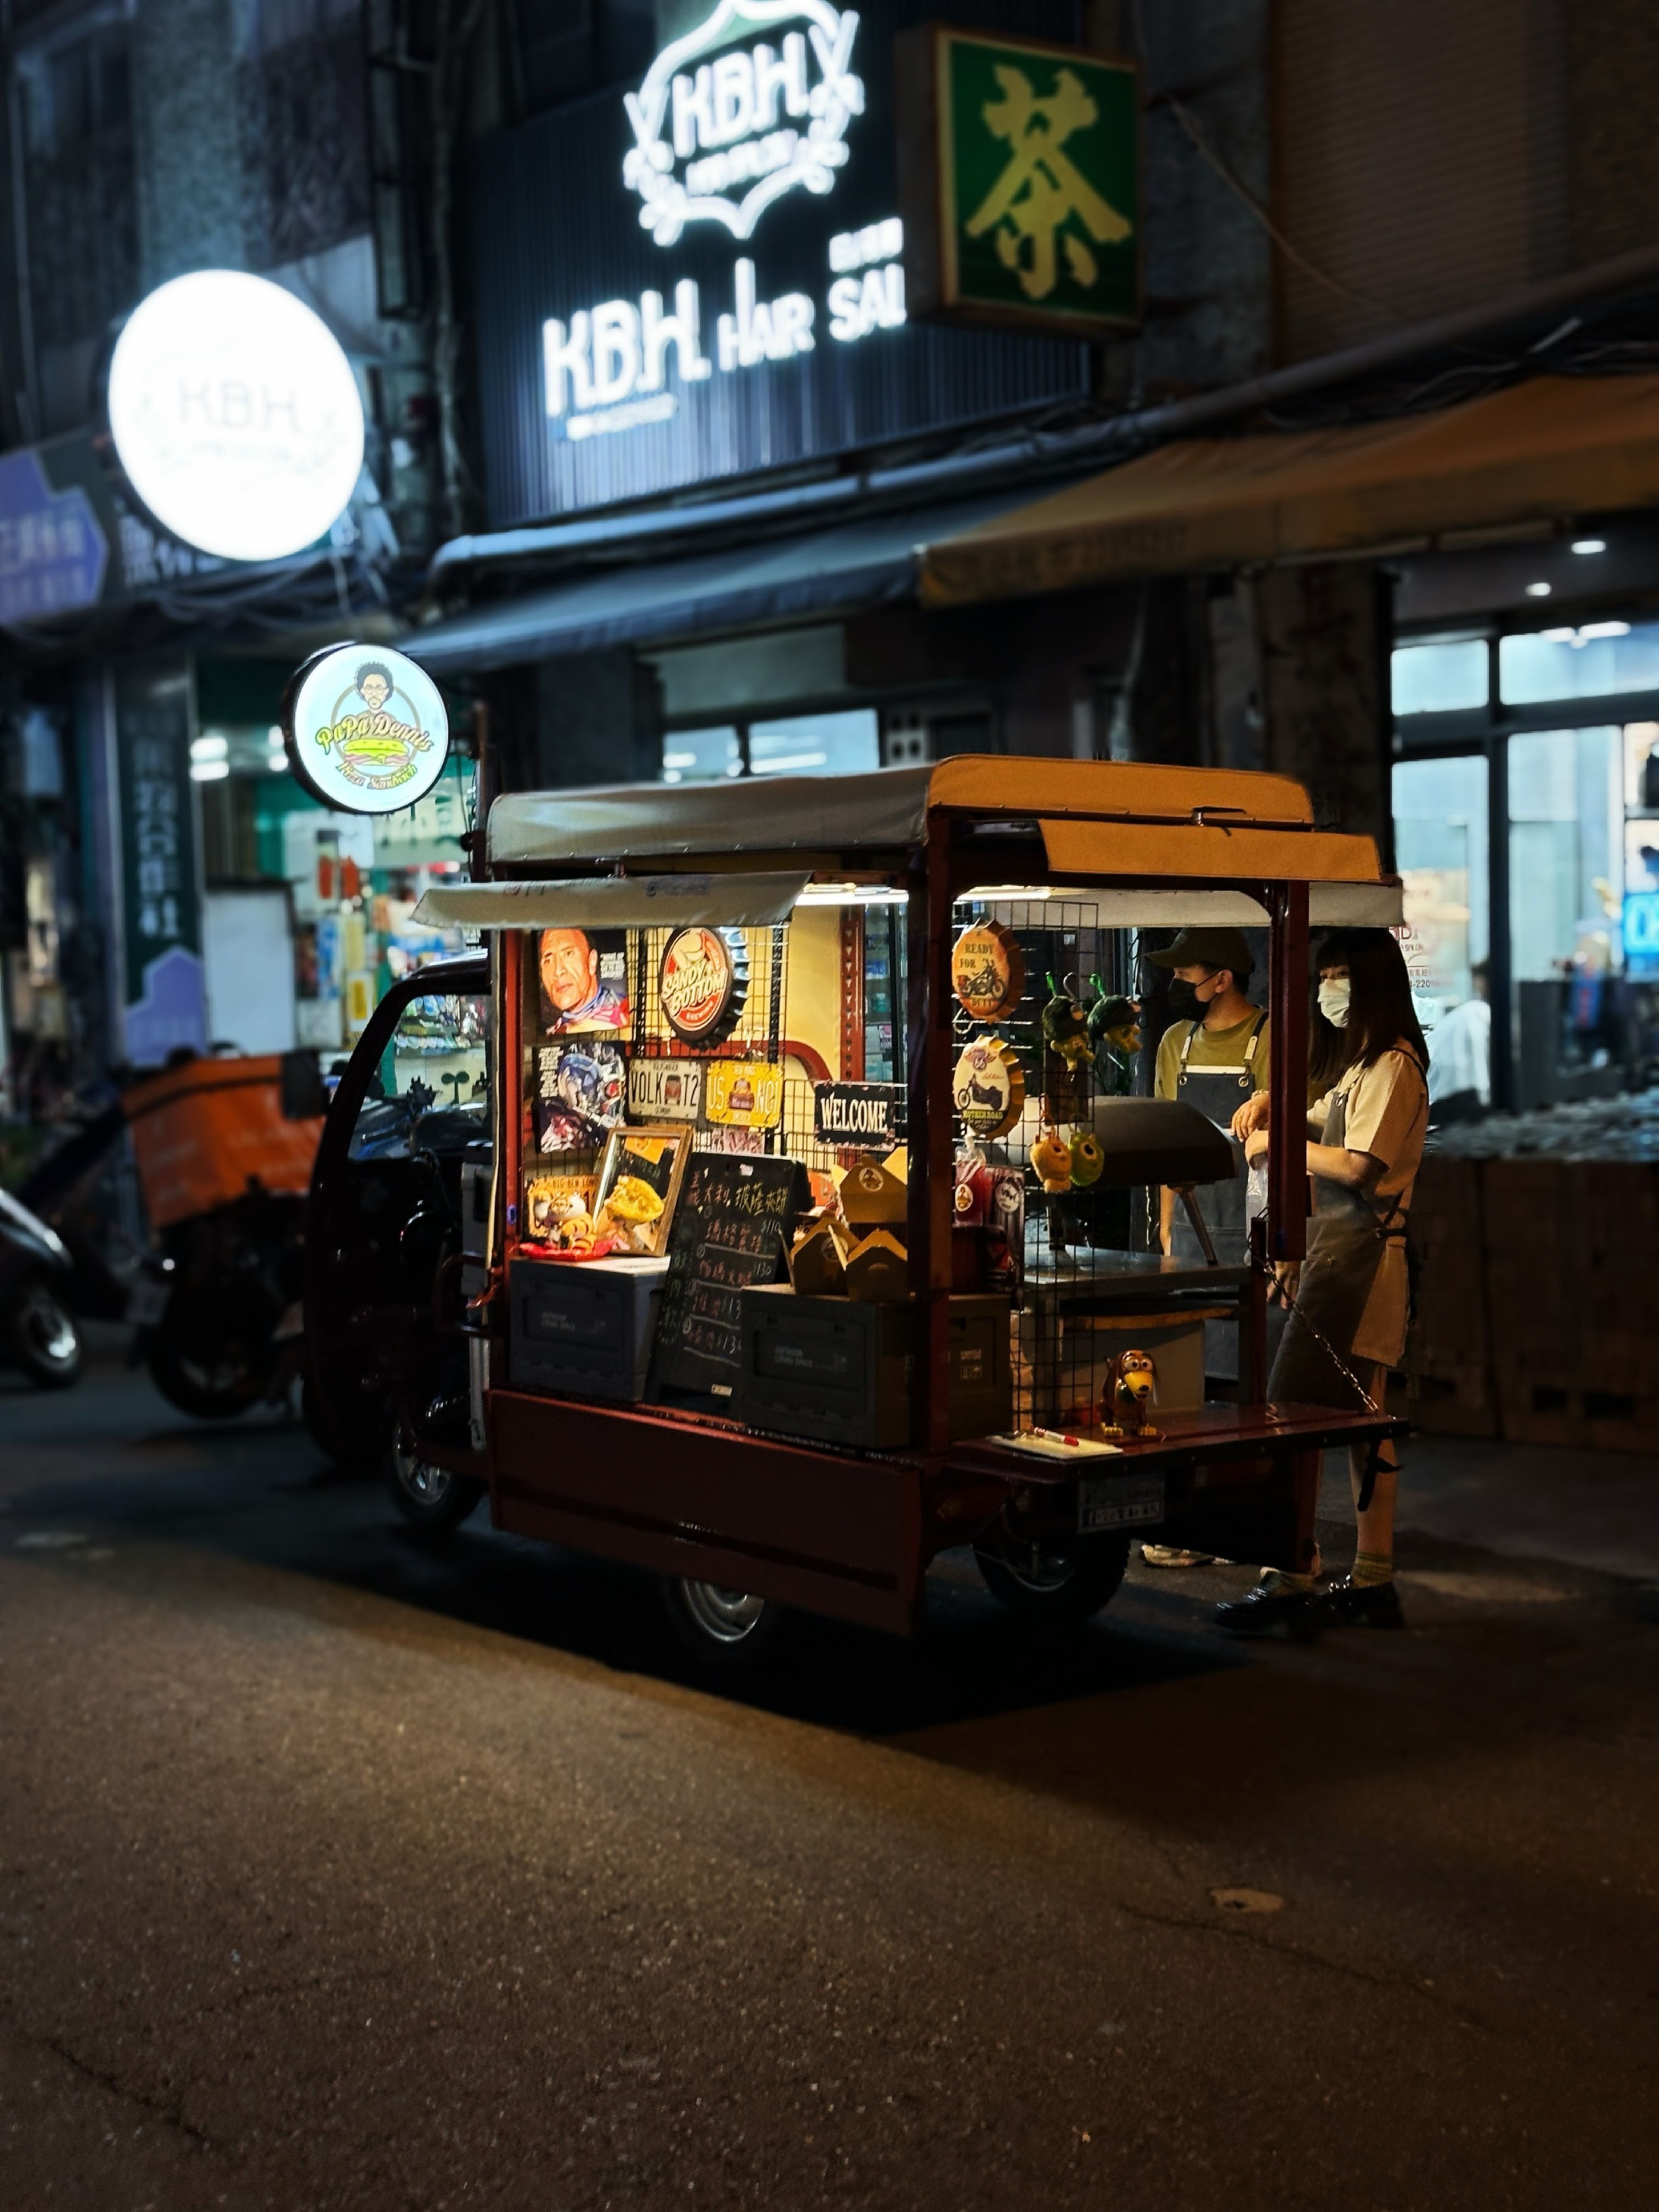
(640, 1171)
(558, 1205)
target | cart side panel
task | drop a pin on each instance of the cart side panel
(827, 1532)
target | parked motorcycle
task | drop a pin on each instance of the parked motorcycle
(218, 1311)
(38, 1331)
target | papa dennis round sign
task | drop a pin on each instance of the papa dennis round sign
(702, 982)
(366, 729)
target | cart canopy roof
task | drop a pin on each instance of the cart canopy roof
(1131, 821)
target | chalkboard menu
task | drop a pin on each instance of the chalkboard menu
(730, 1230)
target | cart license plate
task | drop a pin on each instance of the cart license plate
(1119, 1501)
(146, 1302)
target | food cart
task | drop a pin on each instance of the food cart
(763, 1221)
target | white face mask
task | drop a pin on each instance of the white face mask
(1333, 1002)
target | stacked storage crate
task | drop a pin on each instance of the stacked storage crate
(1538, 1300)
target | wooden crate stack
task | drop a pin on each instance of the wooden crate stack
(1448, 1360)
(1538, 1301)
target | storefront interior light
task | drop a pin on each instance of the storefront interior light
(985, 893)
(211, 746)
(1538, 591)
(1587, 634)
(208, 771)
(1590, 544)
(851, 895)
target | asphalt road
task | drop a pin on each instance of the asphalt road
(335, 1875)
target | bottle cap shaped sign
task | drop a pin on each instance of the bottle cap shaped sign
(366, 729)
(989, 1084)
(987, 972)
(702, 982)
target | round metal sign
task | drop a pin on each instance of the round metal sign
(235, 415)
(365, 728)
(702, 982)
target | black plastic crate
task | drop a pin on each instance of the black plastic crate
(839, 1371)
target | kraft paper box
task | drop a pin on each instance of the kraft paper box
(869, 1195)
(878, 1269)
(816, 1266)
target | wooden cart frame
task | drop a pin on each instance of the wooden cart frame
(847, 1533)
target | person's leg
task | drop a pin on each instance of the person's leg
(1368, 1598)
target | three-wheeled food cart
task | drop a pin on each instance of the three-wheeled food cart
(756, 1208)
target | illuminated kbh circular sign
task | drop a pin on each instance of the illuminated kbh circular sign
(365, 728)
(235, 415)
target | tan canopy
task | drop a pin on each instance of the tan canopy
(1550, 448)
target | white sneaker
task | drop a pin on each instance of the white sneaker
(1174, 1555)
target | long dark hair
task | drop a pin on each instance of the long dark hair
(1381, 1014)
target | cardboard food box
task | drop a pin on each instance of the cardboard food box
(817, 1268)
(871, 1193)
(877, 1268)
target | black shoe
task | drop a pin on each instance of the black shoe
(1364, 1604)
(1271, 1606)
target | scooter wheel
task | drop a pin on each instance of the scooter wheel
(44, 1339)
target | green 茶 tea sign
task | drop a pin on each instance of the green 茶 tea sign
(1021, 194)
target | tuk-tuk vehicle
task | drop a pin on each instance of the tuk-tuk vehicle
(756, 1209)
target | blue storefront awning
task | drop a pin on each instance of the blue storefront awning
(856, 563)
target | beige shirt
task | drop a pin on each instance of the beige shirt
(1388, 1117)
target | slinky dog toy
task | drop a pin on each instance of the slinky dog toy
(1129, 1394)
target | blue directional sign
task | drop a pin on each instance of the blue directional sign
(53, 551)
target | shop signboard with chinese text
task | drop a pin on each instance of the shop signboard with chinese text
(1020, 186)
(706, 274)
(163, 994)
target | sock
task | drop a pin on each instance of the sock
(1370, 1568)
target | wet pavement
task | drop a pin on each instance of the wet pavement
(338, 1873)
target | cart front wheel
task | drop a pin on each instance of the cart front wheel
(1064, 1580)
(433, 1499)
(721, 1627)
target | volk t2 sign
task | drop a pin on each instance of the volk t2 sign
(1019, 183)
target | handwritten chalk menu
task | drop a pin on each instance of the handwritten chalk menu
(730, 1230)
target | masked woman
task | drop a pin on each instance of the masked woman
(1366, 1145)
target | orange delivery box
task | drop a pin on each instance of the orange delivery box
(204, 1130)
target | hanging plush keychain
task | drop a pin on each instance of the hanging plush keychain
(1115, 1033)
(1065, 1030)
(1051, 1160)
(1088, 1160)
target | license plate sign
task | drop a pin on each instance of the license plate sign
(1119, 1501)
(146, 1302)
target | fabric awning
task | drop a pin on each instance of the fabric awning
(1330, 906)
(1542, 450)
(851, 564)
(614, 903)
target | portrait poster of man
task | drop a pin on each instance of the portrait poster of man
(584, 981)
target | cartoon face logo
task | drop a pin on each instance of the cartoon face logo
(374, 686)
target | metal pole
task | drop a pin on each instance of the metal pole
(927, 1076)
(1287, 1074)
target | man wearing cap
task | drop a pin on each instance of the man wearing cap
(1214, 1057)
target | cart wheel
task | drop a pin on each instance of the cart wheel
(721, 1627)
(432, 1499)
(1067, 1580)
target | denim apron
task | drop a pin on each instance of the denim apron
(1347, 1236)
(1218, 1093)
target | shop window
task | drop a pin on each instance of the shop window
(1439, 679)
(1584, 663)
(1440, 817)
(1567, 857)
(701, 756)
(816, 744)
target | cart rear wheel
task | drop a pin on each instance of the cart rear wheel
(721, 1627)
(433, 1499)
(1064, 1580)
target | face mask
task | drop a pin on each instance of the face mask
(1333, 1002)
(1184, 999)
